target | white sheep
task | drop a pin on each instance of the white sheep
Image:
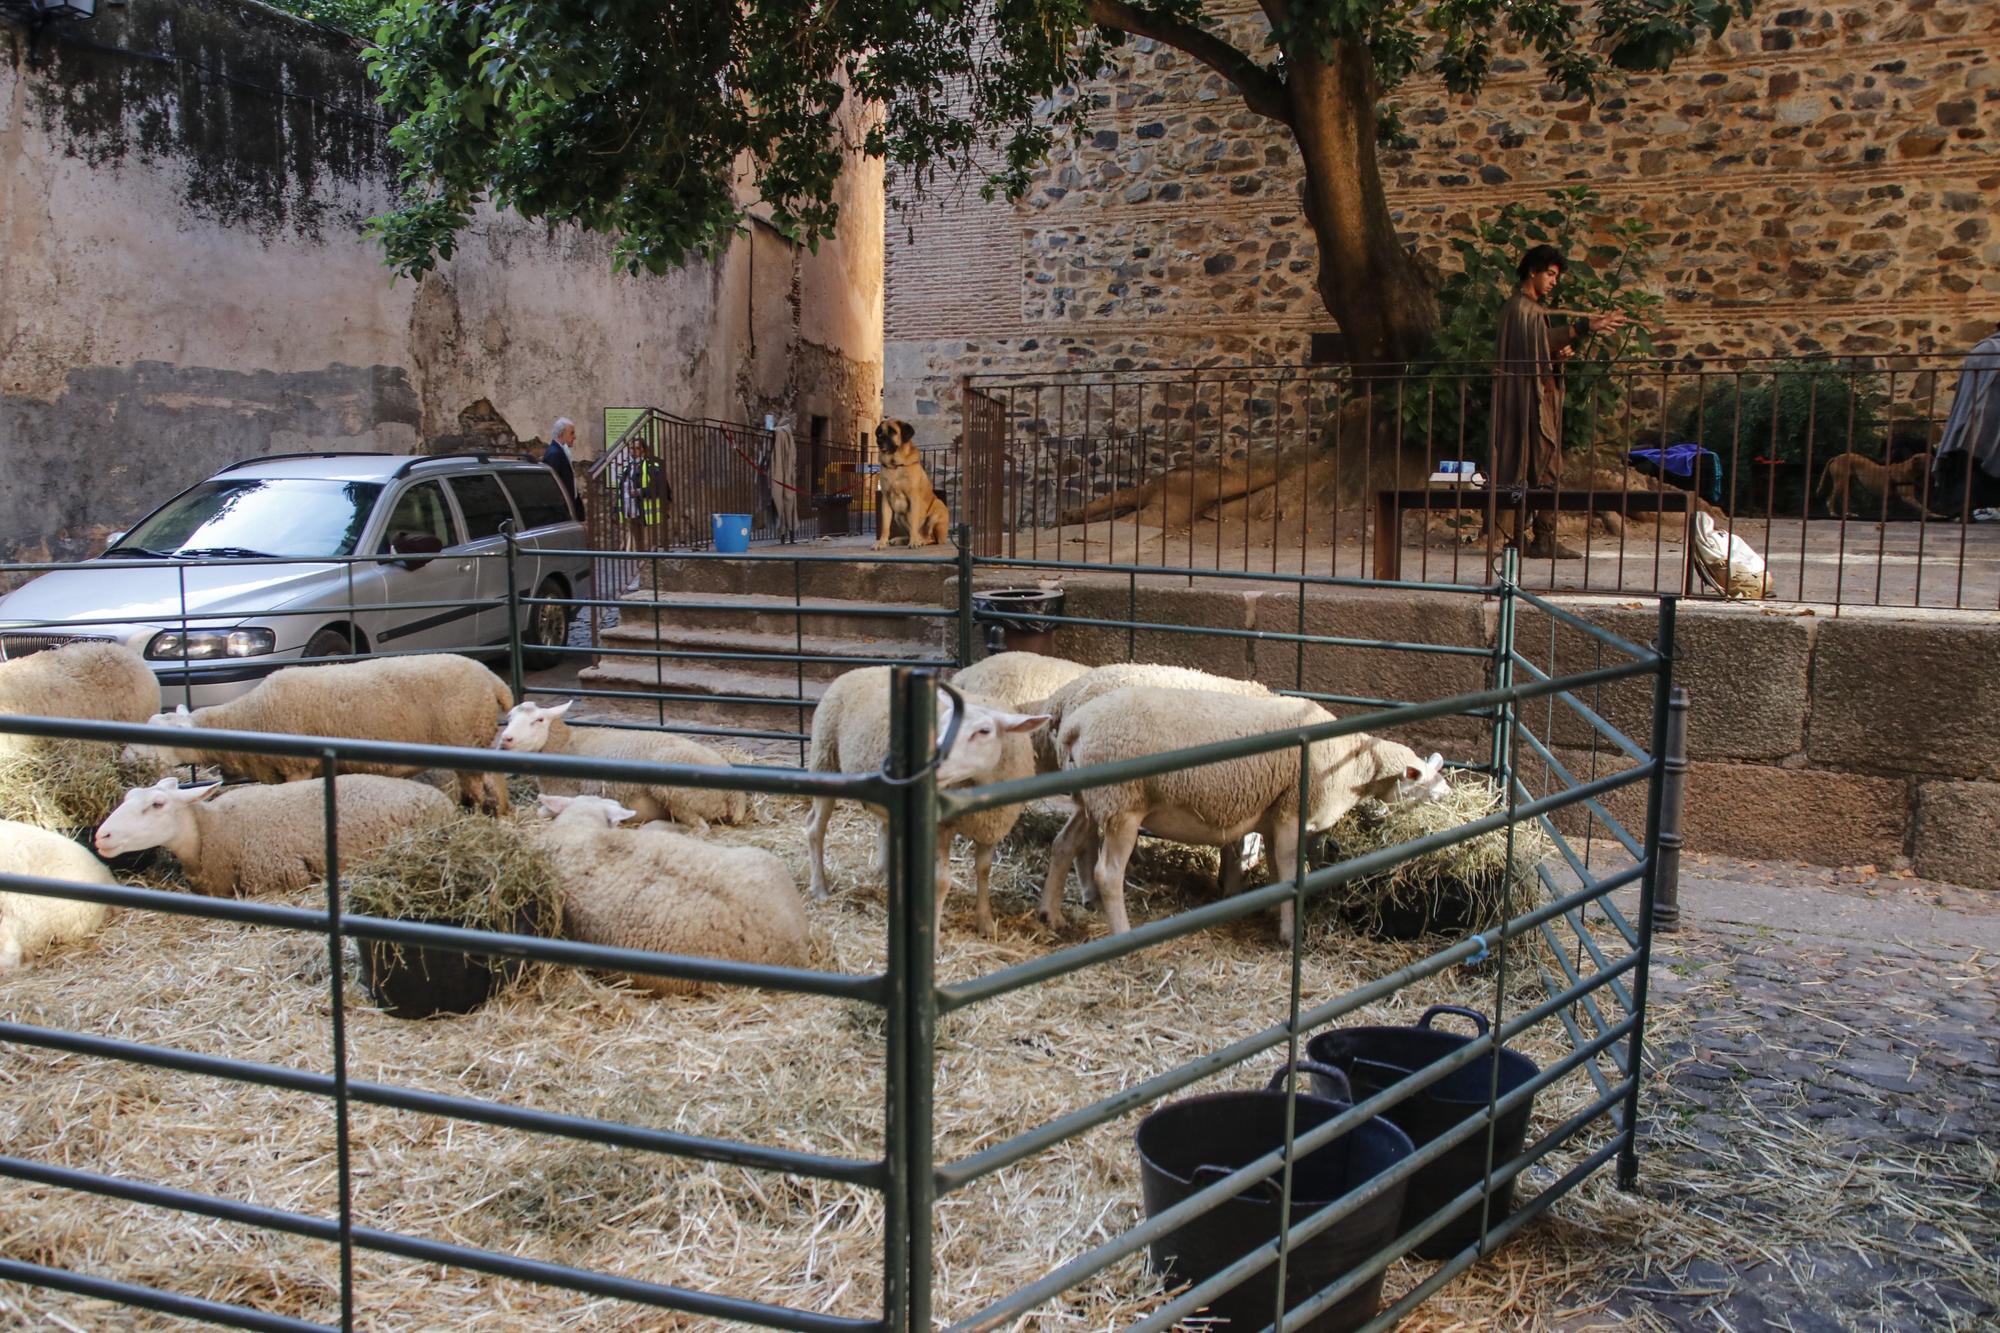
(243, 841)
(104, 681)
(29, 922)
(533, 729)
(850, 734)
(1077, 841)
(669, 893)
(1215, 804)
(1020, 681)
(438, 699)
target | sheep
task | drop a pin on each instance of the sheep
(532, 728)
(104, 681)
(850, 734)
(1019, 681)
(669, 893)
(1077, 838)
(1214, 804)
(256, 840)
(29, 922)
(440, 699)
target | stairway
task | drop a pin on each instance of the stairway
(747, 612)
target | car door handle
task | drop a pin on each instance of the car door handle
(465, 568)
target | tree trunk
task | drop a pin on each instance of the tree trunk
(1378, 291)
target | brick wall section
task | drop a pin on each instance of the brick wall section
(1820, 180)
(1836, 741)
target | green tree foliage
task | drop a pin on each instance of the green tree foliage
(1604, 272)
(354, 16)
(662, 122)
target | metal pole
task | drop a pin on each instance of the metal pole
(1503, 656)
(513, 610)
(1628, 1155)
(964, 536)
(342, 1146)
(1674, 762)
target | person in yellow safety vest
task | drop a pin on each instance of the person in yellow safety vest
(645, 493)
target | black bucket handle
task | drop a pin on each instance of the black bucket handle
(1326, 1071)
(1478, 1019)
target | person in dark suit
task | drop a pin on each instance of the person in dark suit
(559, 459)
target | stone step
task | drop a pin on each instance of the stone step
(861, 579)
(719, 695)
(766, 654)
(760, 613)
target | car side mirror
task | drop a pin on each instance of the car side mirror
(415, 547)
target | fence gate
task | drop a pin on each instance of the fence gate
(983, 460)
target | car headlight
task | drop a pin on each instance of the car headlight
(209, 645)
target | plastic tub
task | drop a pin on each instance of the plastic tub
(732, 533)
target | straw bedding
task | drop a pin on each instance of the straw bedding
(67, 786)
(794, 1071)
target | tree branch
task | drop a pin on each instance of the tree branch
(1263, 90)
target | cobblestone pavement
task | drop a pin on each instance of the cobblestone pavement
(1826, 1108)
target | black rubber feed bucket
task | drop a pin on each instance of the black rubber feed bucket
(1373, 1058)
(1187, 1145)
(417, 981)
(1012, 612)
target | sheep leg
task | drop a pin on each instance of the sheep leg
(1284, 859)
(816, 822)
(10, 946)
(1086, 866)
(1116, 840)
(1232, 868)
(882, 851)
(982, 868)
(943, 885)
(1062, 852)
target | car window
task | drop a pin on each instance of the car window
(539, 498)
(252, 516)
(484, 505)
(420, 512)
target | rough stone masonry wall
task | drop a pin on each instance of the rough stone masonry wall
(1821, 179)
(183, 282)
(1862, 739)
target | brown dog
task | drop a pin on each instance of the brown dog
(904, 500)
(1898, 481)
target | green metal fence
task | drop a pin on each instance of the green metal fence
(1590, 951)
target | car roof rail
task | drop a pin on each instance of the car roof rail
(309, 453)
(469, 455)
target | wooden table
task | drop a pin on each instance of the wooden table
(1390, 505)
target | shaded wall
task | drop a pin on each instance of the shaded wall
(183, 282)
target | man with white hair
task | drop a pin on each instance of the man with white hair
(559, 459)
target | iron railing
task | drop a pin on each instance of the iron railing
(1590, 950)
(1294, 467)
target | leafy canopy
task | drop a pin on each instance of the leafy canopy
(663, 122)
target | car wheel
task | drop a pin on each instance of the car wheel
(548, 627)
(332, 642)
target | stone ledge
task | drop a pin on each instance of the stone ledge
(1906, 695)
(1956, 827)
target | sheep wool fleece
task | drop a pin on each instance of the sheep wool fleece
(107, 682)
(259, 840)
(29, 922)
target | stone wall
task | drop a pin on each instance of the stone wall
(183, 282)
(1819, 180)
(1862, 739)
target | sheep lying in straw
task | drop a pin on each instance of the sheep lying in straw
(1078, 838)
(263, 840)
(105, 681)
(1019, 681)
(533, 729)
(29, 922)
(850, 734)
(1215, 804)
(432, 700)
(669, 893)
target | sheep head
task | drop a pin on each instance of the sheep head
(180, 717)
(527, 727)
(586, 810)
(980, 746)
(150, 817)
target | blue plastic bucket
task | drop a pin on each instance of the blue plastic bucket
(732, 532)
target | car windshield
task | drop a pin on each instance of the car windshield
(252, 516)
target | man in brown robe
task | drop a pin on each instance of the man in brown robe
(1528, 393)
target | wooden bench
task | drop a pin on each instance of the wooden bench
(1391, 505)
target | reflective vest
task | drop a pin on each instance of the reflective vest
(644, 487)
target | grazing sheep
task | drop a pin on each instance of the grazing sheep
(440, 699)
(107, 682)
(669, 893)
(533, 729)
(29, 922)
(850, 734)
(1078, 839)
(263, 840)
(1018, 680)
(1215, 804)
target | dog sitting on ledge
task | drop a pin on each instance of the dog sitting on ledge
(907, 511)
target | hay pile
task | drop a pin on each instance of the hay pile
(1467, 887)
(69, 787)
(801, 1072)
(460, 869)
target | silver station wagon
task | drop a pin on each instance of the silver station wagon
(380, 553)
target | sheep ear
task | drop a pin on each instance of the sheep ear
(168, 783)
(555, 805)
(622, 813)
(559, 709)
(1021, 721)
(1434, 765)
(189, 795)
